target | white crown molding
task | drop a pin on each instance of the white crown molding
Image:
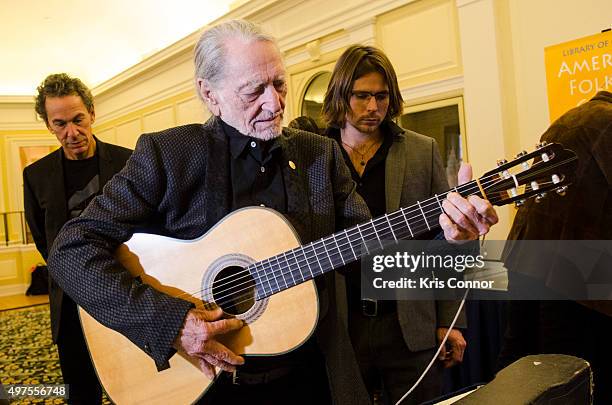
(432, 89)
(181, 46)
(347, 17)
(249, 9)
(350, 16)
(146, 65)
(362, 32)
(326, 46)
(148, 100)
(272, 9)
(358, 25)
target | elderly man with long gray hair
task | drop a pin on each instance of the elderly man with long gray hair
(182, 181)
(179, 183)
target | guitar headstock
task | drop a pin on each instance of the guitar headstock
(549, 167)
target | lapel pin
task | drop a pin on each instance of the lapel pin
(291, 164)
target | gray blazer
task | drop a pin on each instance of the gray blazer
(177, 183)
(413, 158)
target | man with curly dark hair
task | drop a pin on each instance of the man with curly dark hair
(57, 188)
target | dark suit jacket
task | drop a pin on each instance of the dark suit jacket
(414, 172)
(585, 212)
(46, 207)
(177, 183)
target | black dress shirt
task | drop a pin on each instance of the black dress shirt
(255, 169)
(256, 179)
(371, 184)
(371, 187)
(81, 183)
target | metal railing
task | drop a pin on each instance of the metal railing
(14, 229)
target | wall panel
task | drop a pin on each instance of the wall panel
(128, 133)
(8, 269)
(107, 135)
(421, 40)
(191, 111)
(158, 120)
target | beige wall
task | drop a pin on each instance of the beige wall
(152, 96)
(490, 52)
(17, 121)
(19, 126)
(535, 25)
(15, 265)
(183, 108)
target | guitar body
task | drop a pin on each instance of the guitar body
(211, 271)
(274, 325)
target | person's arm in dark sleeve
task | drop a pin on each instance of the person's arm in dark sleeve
(82, 261)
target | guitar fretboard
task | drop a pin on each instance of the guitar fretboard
(306, 262)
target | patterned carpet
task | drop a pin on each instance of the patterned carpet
(28, 354)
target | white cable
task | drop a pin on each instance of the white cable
(435, 357)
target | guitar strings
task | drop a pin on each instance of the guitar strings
(299, 260)
(258, 278)
(245, 295)
(460, 188)
(409, 210)
(248, 297)
(341, 248)
(275, 275)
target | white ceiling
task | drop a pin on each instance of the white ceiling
(93, 40)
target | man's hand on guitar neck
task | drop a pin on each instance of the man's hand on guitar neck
(466, 219)
(197, 339)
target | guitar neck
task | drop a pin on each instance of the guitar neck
(306, 262)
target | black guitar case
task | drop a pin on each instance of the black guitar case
(551, 379)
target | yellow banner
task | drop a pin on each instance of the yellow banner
(576, 70)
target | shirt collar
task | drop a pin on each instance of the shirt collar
(239, 143)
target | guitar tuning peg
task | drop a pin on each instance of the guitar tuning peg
(501, 162)
(518, 203)
(556, 179)
(535, 186)
(540, 197)
(561, 190)
(541, 145)
(521, 154)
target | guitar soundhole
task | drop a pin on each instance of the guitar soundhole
(234, 290)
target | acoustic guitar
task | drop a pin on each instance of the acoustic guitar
(252, 265)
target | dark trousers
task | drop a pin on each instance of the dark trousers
(305, 384)
(77, 368)
(387, 364)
